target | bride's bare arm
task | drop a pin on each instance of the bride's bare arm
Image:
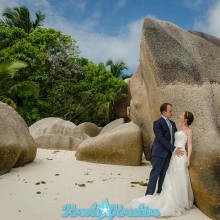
(189, 147)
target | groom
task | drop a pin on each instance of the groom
(162, 148)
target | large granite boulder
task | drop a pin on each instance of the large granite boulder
(57, 142)
(182, 68)
(121, 145)
(112, 125)
(208, 37)
(89, 128)
(17, 146)
(56, 133)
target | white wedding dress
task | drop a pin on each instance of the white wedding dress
(176, 195)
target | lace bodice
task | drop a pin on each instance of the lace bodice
(180, 139)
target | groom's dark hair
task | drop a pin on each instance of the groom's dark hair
(163, 107)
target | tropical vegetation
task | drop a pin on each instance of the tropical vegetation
(42, 74)
(20, 17)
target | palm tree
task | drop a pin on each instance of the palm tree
(20, 17)
(117, 67)
(9, 87)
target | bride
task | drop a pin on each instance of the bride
(176, 195)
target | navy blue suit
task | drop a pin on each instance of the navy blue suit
(161, 153)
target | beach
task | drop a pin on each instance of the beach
(39, 190)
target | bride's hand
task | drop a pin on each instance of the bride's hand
(187, 162)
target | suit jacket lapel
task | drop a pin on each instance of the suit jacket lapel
(164, 121)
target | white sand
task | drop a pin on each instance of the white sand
(18, 190)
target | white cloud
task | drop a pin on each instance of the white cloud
(214, 20)
(6, 3)
(100, 47)
(32, 5)
(195, 4)
(79, 4)
(211, 23)
(95, 46)
(120, 4)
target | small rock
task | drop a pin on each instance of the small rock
(55, 151)
(140, 183)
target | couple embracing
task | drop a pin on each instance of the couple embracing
(171, 152)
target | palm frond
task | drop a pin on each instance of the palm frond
(2, 22)
(10, 17)
(117, 67)
(8, 13)
(16, 66)
(23, 19)
(25, 89)
(6, 81)
(20, 17)
(39, 19)
(8, 101)
(8, 70)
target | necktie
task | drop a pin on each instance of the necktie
(170, 127)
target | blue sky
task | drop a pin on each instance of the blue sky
(107, 29)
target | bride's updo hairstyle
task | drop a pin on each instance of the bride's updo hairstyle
(189, 117)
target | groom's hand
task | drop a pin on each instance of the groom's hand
(179, 152)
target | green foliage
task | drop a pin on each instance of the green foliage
(93, 94)
(56, 82)
(116, 68)
(9, 36)
(20, 17)
(10, 90)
